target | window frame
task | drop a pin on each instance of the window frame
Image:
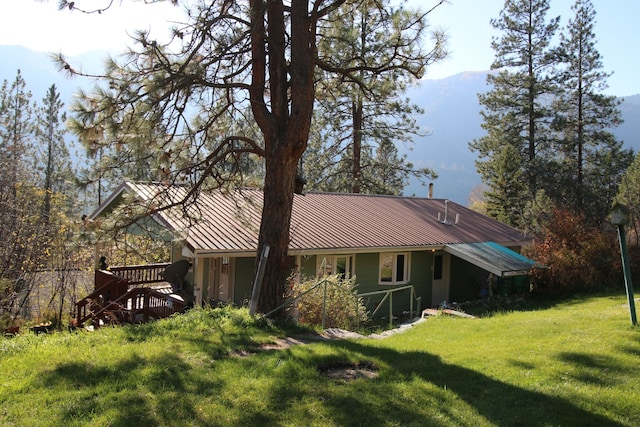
(394, 268)
(332, 260)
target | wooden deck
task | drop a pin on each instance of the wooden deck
(133, 294)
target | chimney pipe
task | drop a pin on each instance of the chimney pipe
(431, 190)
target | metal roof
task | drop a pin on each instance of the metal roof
(223, 222)
(493, 258)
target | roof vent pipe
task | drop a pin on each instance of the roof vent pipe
(446, 211)
(431, 190)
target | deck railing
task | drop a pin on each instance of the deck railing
(119, 297)
(141, 274)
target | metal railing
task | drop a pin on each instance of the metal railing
(324, 282)
(388, 295)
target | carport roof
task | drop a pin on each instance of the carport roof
(492, 257)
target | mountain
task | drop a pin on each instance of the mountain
(40, 72)
(452, 113)
(452, 116)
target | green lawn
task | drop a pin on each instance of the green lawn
(575, 363)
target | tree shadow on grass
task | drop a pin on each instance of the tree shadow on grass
(136, 392)
(426, 396)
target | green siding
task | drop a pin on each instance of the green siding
(243, 277)
(419, 277)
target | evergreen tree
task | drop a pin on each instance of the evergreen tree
(360, 114)
(20, 225)
(16, 134)
(517, 108)
(56, 175)
(234, 57)
(589, 160)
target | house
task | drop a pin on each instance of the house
(445, 251)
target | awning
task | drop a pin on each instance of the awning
(492, 257)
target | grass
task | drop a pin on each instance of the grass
(573, 363)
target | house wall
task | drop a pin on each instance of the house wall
(367, 271)
(466, 280)
(189, 279)
(206, 268)
(308, 266)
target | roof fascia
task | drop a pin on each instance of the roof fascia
(112, 197)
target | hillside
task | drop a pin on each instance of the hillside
(452, 113)
(556, 364)
(452, 116)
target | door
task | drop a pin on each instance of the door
(221, 279)
(440, 278)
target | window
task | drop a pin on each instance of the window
(394, 268)
(335, 264)
(437, 267)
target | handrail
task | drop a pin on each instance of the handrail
(117, 286)
(139, 274)
(388, 294)
(140, 300)
(324, 282)
(113, 288)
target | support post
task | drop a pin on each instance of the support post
(627, 274)
(257, 285)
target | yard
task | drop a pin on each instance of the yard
(568, 363)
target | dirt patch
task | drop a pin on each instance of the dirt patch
(348, 370)
(282, 343)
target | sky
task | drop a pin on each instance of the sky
(38, 25)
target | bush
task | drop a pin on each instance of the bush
(344, 309)
(580, 257)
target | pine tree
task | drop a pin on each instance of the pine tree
(517, 108)
(358, 114)
(56, 175)
(20, 225)
(589, 159)
(234, 56)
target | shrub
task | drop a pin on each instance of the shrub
(580, 257)
(344, 309)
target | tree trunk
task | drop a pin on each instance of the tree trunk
(285, 126)
(357, 145)
(274, 229)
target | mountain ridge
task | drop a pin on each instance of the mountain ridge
(451, 115)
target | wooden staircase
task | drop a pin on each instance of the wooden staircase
(128, 295)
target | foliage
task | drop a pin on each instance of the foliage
(332, 299)
(516, 109)
(629, 195)
(573, 363)
(547, 121)
(579, 256)
(185, 109)
(36, 207)
(359, 123)
(588, 161)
